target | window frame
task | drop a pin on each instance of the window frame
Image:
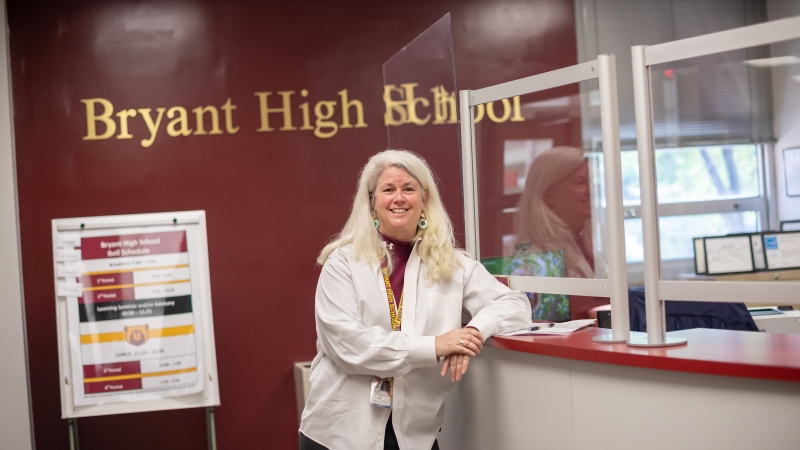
(764, 205)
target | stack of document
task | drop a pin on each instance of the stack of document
(553, 329)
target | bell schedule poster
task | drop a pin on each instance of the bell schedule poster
(132, 319)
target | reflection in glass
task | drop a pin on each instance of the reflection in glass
(678, 232)
(696, 174)
(541, 195)
(714, 117)
(549, 307)
(517, 158)
(555, 211)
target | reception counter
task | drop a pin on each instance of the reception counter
(725, 389)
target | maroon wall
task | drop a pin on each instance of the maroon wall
(272, 198)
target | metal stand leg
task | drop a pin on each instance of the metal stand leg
(74, 442)
(211, 431)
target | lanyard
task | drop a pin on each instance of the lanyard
(395, 310)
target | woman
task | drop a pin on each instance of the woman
(389, 304)
(555, 211)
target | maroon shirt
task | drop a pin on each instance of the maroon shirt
(400, 251)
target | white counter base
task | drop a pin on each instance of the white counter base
(513, 400)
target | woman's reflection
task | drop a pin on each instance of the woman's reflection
(555, 210)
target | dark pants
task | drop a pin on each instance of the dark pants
(389, 441)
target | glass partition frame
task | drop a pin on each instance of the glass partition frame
(616, 286)
(656, 289)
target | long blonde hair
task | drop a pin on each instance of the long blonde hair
(437, 244)
(535, 221)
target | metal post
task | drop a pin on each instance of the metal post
(469, 175)
(656, 336)
(74, 442)
(211, 430)
(609, 119)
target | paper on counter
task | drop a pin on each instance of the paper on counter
(558, 329)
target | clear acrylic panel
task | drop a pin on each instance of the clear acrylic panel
(541, 196)
(420, 90)
(678, 232)
(421, 115)
(714, 118)
(694, 174)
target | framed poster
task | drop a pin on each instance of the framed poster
(790, 225)
(728, 254)
(791, 171)
(759, 259)
(782, 250)
(699, 257)
(133, 304)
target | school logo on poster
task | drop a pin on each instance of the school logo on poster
(137, 335)
(771, 243)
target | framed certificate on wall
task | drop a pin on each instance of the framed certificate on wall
(782, 250)
(728, 254)
(699, 256)
(757, 241)
(791, 171)
(790, 225)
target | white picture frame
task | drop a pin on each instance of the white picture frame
(66, 233)
(728, 254)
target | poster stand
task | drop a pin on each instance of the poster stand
(134, 318)
(211, 431)
(74, 441)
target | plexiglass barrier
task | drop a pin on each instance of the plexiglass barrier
(543, 188)
(421, 116)
(419, 88)
(710, 112)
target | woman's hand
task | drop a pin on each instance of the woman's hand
(464, 341)
(457, 364)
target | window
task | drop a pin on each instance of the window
(702, 191)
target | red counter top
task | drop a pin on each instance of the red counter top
(713, 352)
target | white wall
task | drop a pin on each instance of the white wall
(15, 414)
(786, 93)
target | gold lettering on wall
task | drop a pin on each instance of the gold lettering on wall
(178, 126)
(325, 125)
(123, 123)
(228, 107)
(306, 114)
(444, 106)
(480, 110)
(403, 105)
(181, 120)
(200, 112)
(151, 126)
(517, 117)
(346, 104)
(286, 109)
(506, 111)
(322, 119)
(92, 118)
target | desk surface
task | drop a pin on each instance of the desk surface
(714, 352)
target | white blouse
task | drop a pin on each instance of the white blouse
(355, 342)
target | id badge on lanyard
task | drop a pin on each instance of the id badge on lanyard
(381, 393)
(381, 389)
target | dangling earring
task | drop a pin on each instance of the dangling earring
(423, 222)
(375, 221)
